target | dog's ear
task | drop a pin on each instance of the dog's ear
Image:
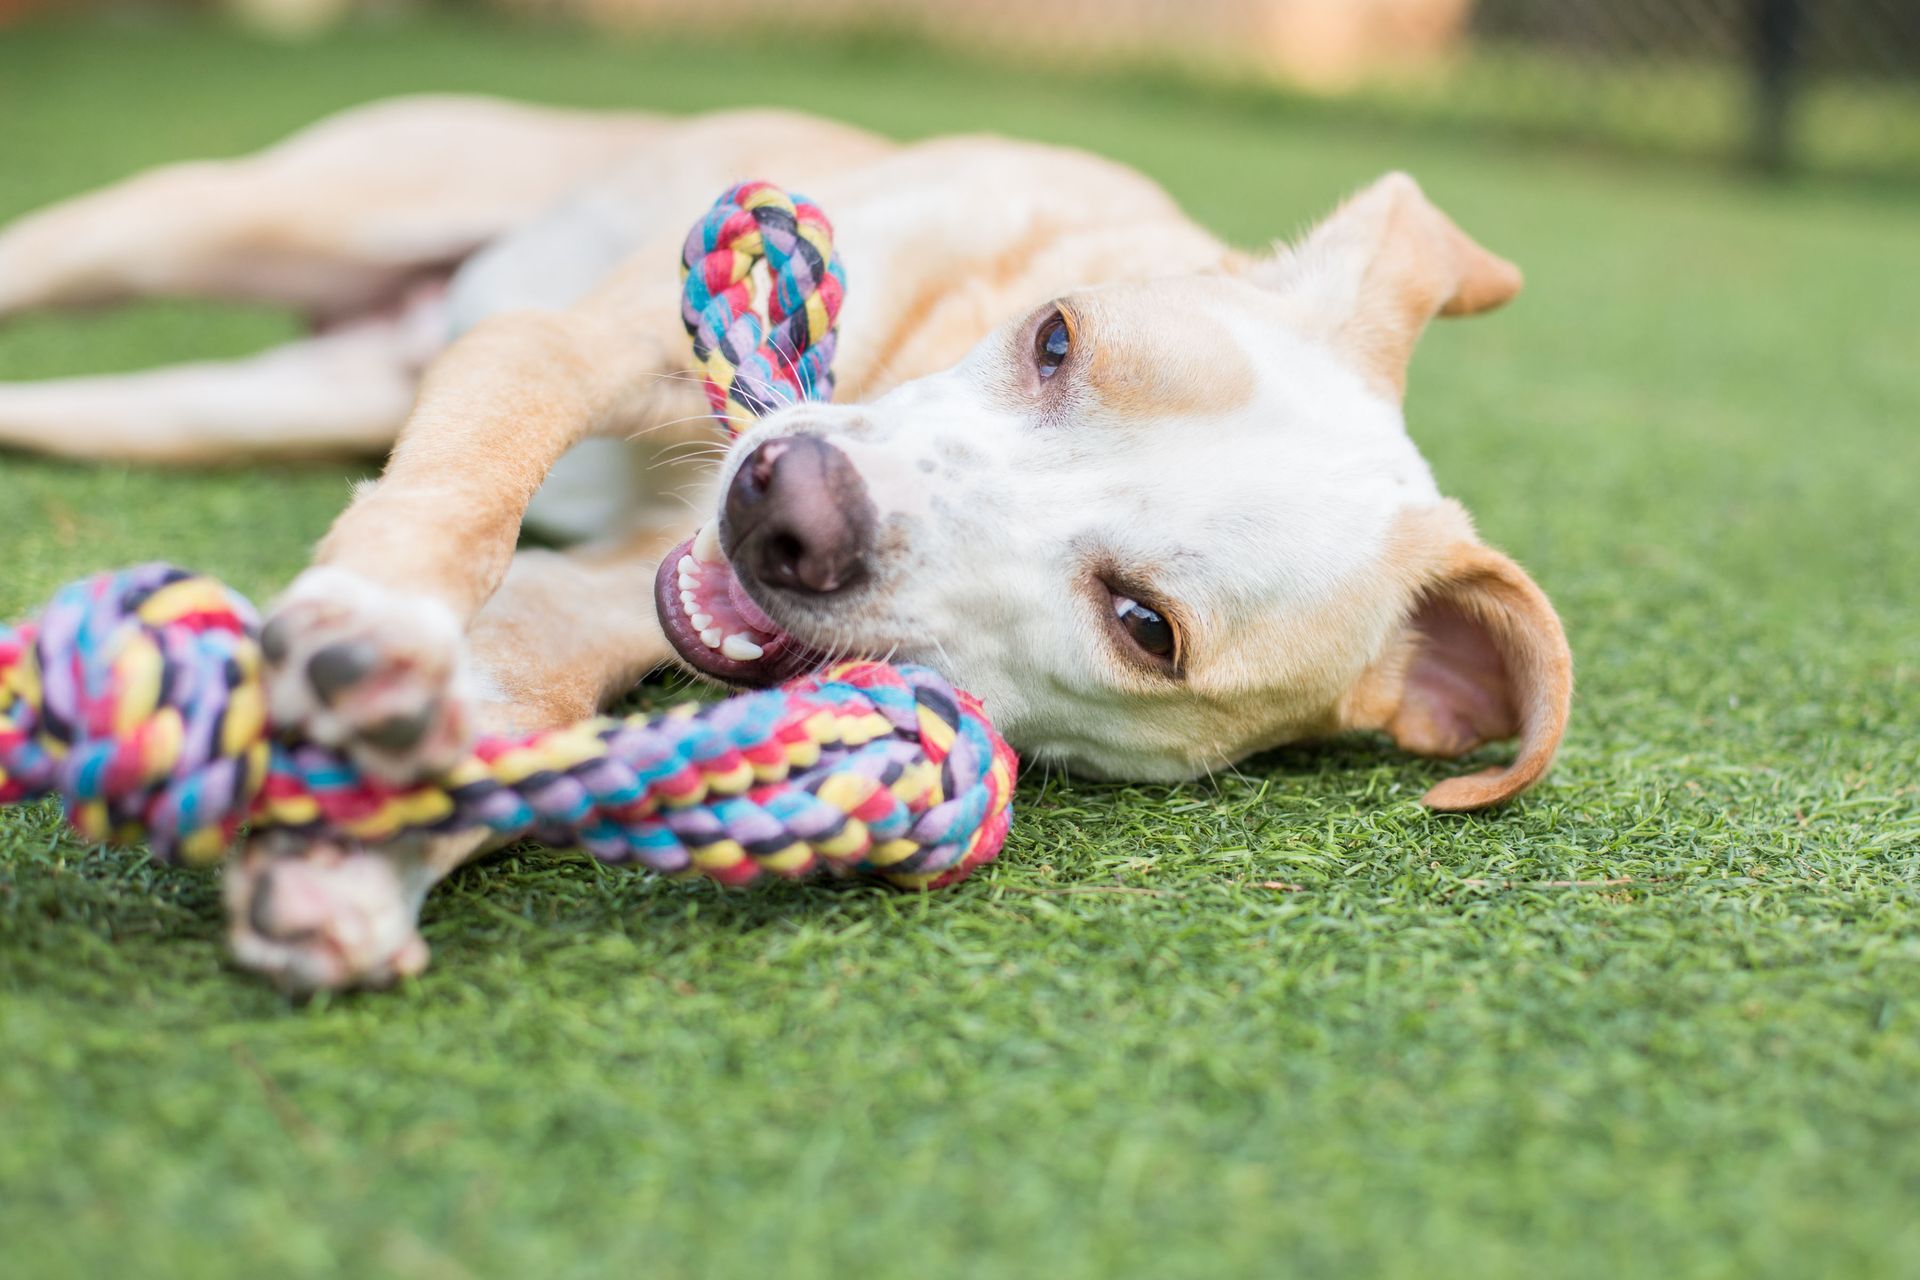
(1481, 657)
(1370, 277)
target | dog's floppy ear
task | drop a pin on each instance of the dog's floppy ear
(1370, 277)
(1481, 657)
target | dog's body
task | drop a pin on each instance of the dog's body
(1150, 497)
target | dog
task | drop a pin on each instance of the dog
(1151, 497)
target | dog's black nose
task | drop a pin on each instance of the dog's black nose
(798, 516)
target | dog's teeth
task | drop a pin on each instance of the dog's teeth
(711, 637)
(741, 649)
(701, 621)
(688, 602)
(688, 565)
(706, 546)
(688, 582)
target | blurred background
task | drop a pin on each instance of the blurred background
(1816, 85)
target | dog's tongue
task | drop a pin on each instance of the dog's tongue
(706, 550)
(750, 613)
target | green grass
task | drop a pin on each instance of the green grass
(1120, 1050)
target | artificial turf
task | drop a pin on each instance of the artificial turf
(1661, 1017)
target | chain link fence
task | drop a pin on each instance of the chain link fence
(1816, 85)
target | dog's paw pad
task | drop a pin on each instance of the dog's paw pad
(376, 673)
(323, 915)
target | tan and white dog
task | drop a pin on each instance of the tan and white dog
(1152, 498)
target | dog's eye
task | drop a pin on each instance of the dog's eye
(1145, 627)
(1051, 342)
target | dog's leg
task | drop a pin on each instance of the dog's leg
(565, 633)
(344, 391)
(365, 646)
(337, 218)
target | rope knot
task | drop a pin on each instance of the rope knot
(750, 368)
(136, 697)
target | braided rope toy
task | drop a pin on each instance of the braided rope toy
(749, 369)
(136, 697)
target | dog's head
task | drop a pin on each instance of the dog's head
(1157, 526)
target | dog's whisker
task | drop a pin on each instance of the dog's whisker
(696, 453)
(946, 659)
(695, 449)
(675, 375)
(668, 423)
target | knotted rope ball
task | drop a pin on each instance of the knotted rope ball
(136, 696)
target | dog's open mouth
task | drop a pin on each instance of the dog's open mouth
(714, 625)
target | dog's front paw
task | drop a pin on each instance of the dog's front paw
(323, 915)
(358, 666)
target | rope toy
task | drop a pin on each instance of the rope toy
(136, 697)
(748, 368)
